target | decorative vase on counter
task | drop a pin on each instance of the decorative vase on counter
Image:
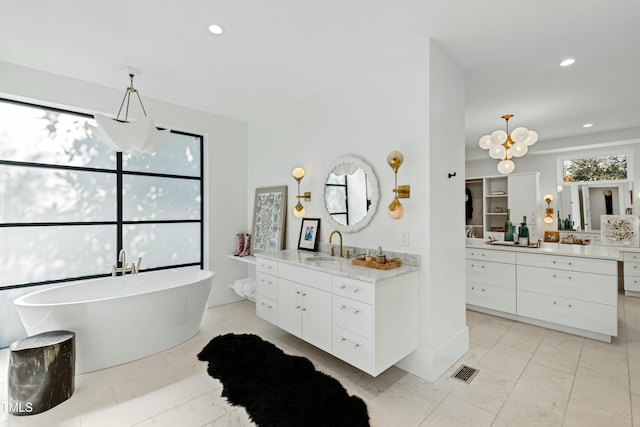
(523, 234)
(508, 228)
(560, 222)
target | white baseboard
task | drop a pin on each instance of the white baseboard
(431, 364)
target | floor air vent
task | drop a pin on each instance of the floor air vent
(465, 374)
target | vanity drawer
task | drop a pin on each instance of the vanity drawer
(267, 285)
(491, 273)
(631, 256)
(267, 309)
(631, 269)
(352, 288)
(353, 349)
(493, 297)
(315, 279)
(585, 315)
(267, 266)
(489, 255)
(596, 288)
(632, 283)
(353, 315)
(587, 265)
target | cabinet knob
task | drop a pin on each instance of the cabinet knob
(297, 306)
(304, 309)
(570, 306)
(304, 295)
(297, 292)
(356, 290)
(554, 303)
(356, 312)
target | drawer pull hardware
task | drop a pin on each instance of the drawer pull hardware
(355, 344)
(304, 309)
(353, 310)
(354, 290)
(297, 306)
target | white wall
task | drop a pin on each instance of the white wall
(389, 108)
(226, 154)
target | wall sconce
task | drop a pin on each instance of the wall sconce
(396, 210)
(548, 218)
(298, 209)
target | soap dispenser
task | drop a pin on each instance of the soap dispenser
(381, 259)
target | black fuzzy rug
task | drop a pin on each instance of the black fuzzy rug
(278, 389)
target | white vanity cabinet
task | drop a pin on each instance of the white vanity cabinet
(304, 304)
(369, 322)
(577, 292)
(553, 287)
(631, 268)
(267, 290)
(491, 279)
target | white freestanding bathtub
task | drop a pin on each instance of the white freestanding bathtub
(123, 318)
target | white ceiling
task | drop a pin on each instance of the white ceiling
(274, 52)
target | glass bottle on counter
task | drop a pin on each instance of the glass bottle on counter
(508, 228)
(523, 233)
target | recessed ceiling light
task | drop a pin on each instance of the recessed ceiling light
(587, 125)
(567, 62)
(216, 29)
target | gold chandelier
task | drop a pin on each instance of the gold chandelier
(504, 146)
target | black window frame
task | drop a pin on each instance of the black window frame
(119, 172)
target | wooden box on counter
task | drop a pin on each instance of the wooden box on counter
(388, 265)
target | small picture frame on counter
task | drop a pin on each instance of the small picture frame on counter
(309, 230)
(552, 236)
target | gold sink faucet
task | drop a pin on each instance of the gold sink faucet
(331, 236)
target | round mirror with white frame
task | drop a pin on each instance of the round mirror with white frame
(351, 194)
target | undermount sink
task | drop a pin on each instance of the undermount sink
(324, 259)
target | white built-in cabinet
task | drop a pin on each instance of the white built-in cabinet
(631, 268)
(572, 294)
(518, 194)
(304, 304)
(370, 324)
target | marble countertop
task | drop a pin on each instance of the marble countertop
(334, 265)
(586, 251)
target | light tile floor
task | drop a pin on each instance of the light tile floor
(529, 376)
